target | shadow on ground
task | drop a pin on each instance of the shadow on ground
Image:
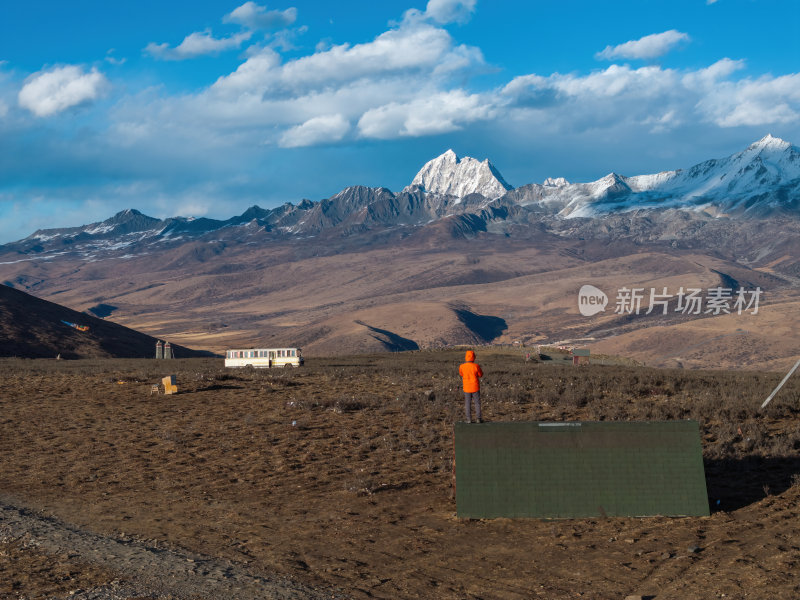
(736, 483)
(486, 327)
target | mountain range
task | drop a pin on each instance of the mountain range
(457, 256)
(762, 181)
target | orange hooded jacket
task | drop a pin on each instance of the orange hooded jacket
(470, 373)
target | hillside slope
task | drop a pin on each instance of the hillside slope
(34, 328)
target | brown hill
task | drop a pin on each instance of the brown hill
(35, 328)
(425, 290)
(445, 283)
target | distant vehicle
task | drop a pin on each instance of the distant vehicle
(264, 358)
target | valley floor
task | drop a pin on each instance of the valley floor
(335, 480)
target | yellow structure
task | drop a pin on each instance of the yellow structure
(169, 384)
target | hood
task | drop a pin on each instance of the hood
(470, 356)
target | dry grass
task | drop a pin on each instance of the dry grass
(424, 386)
(340, 472)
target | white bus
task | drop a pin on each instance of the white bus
(264, 358)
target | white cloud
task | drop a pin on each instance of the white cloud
(252, 76)
(720, 70)
(420, 52)
(650, 46)
(450, 11)
(652, 96)
(759, 113)
(390, 52)
(284, 39)
(398, 84)
(6, 93)
(112, 59)
(441, 12)
(197, 44)
(49, 92)
(763, 101)
(664, 122)
(412, 81)
(616, 96)
(317, 130)
(254, 16)
(425, 115)
(618, 81)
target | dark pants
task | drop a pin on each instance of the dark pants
(475, 397)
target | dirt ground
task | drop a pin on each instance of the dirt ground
(335, 480)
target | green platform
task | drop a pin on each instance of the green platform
(573, 470)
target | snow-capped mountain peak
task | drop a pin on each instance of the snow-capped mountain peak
(762, 179)
(769, 142)
(448, 174)
(768, 150)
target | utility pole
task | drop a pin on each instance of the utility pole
(780, 385)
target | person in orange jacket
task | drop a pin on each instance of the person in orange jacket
(471, 374)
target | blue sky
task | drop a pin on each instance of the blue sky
(206, 108)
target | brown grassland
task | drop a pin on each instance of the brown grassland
(338, 475)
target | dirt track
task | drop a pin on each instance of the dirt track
(335, 479)
(146, 568)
